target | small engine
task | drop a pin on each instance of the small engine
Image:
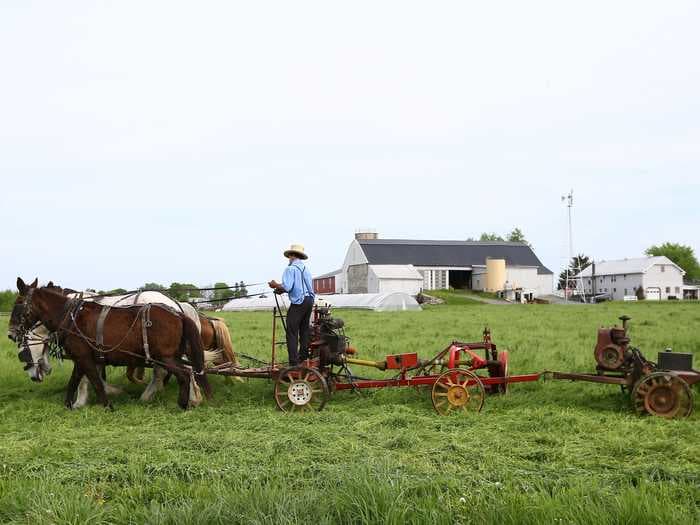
(612, 350)
(329, 337)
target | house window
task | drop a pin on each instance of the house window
(625, 291)
(678, 289)
(589, 281)
(614, 290)
(668, 289)
(663, 268)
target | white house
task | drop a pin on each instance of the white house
(374, 265)
(659, 277)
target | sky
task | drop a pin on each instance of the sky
(194, 141)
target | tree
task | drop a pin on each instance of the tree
(516, 235)
(681, 255)
(223, 292)
(242, 289)
(154, 287)
(183, 291)
(490, 237)
(577, 264)
(178, 291)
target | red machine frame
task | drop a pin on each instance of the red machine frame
(451, 373)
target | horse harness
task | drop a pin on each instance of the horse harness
(98, 344)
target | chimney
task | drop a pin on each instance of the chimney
(366, 235)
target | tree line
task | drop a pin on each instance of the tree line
(183, 292)
(515, 235)
(186, 291)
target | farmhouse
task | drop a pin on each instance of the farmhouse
(374, 265)
(658, 277)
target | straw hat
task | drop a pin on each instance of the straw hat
(296, 249)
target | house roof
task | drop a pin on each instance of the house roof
(329, 274)
(396, 271)
(448, 253)
(627, 266)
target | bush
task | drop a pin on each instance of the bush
(7, 300)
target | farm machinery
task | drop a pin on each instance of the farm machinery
(661, 388)
(452, 374)
(460, 375)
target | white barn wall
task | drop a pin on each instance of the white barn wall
(545, 284)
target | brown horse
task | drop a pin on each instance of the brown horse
(131, 334)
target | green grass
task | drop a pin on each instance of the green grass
(548, 452)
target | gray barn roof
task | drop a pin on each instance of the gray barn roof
(449, 253)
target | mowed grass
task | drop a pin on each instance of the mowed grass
(547, 452)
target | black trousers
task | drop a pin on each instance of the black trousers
(298, 331)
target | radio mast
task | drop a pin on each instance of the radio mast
(576, 279)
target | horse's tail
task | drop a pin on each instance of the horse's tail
(223, 335)
(190, 334)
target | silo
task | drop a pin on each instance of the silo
(366, 234)
(495, 275)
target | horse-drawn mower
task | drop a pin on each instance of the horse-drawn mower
(460, 375)
(452, 374)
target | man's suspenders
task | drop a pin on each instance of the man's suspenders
(303, 282)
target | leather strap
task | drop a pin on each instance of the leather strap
(100, 332)
(145, 324)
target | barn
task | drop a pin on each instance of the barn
(374, 265)
(325, 284)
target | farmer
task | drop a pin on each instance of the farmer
(296, 282)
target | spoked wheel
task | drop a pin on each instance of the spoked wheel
(663, 394)
(458, 390)
(301, 389)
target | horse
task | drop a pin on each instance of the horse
(132, 336)
(213, 330)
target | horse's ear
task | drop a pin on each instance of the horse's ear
(50, 284)
(21, 287)
(35, 283)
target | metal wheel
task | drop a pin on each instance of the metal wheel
(663, 394)
(458, 390)
(301, 389)
(503, 360)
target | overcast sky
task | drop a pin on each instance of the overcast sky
(194, 141)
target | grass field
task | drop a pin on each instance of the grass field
(548, 452)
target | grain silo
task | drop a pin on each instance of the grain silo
(495, 275)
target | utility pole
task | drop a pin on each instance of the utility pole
(577, 279)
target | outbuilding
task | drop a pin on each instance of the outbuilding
(374, 265)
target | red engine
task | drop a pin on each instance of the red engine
(612, 349)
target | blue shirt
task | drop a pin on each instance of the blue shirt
(297, 282)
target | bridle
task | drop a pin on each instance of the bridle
(28, 339)
(27, 306)
(53, 339)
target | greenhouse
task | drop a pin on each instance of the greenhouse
(378, 302)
